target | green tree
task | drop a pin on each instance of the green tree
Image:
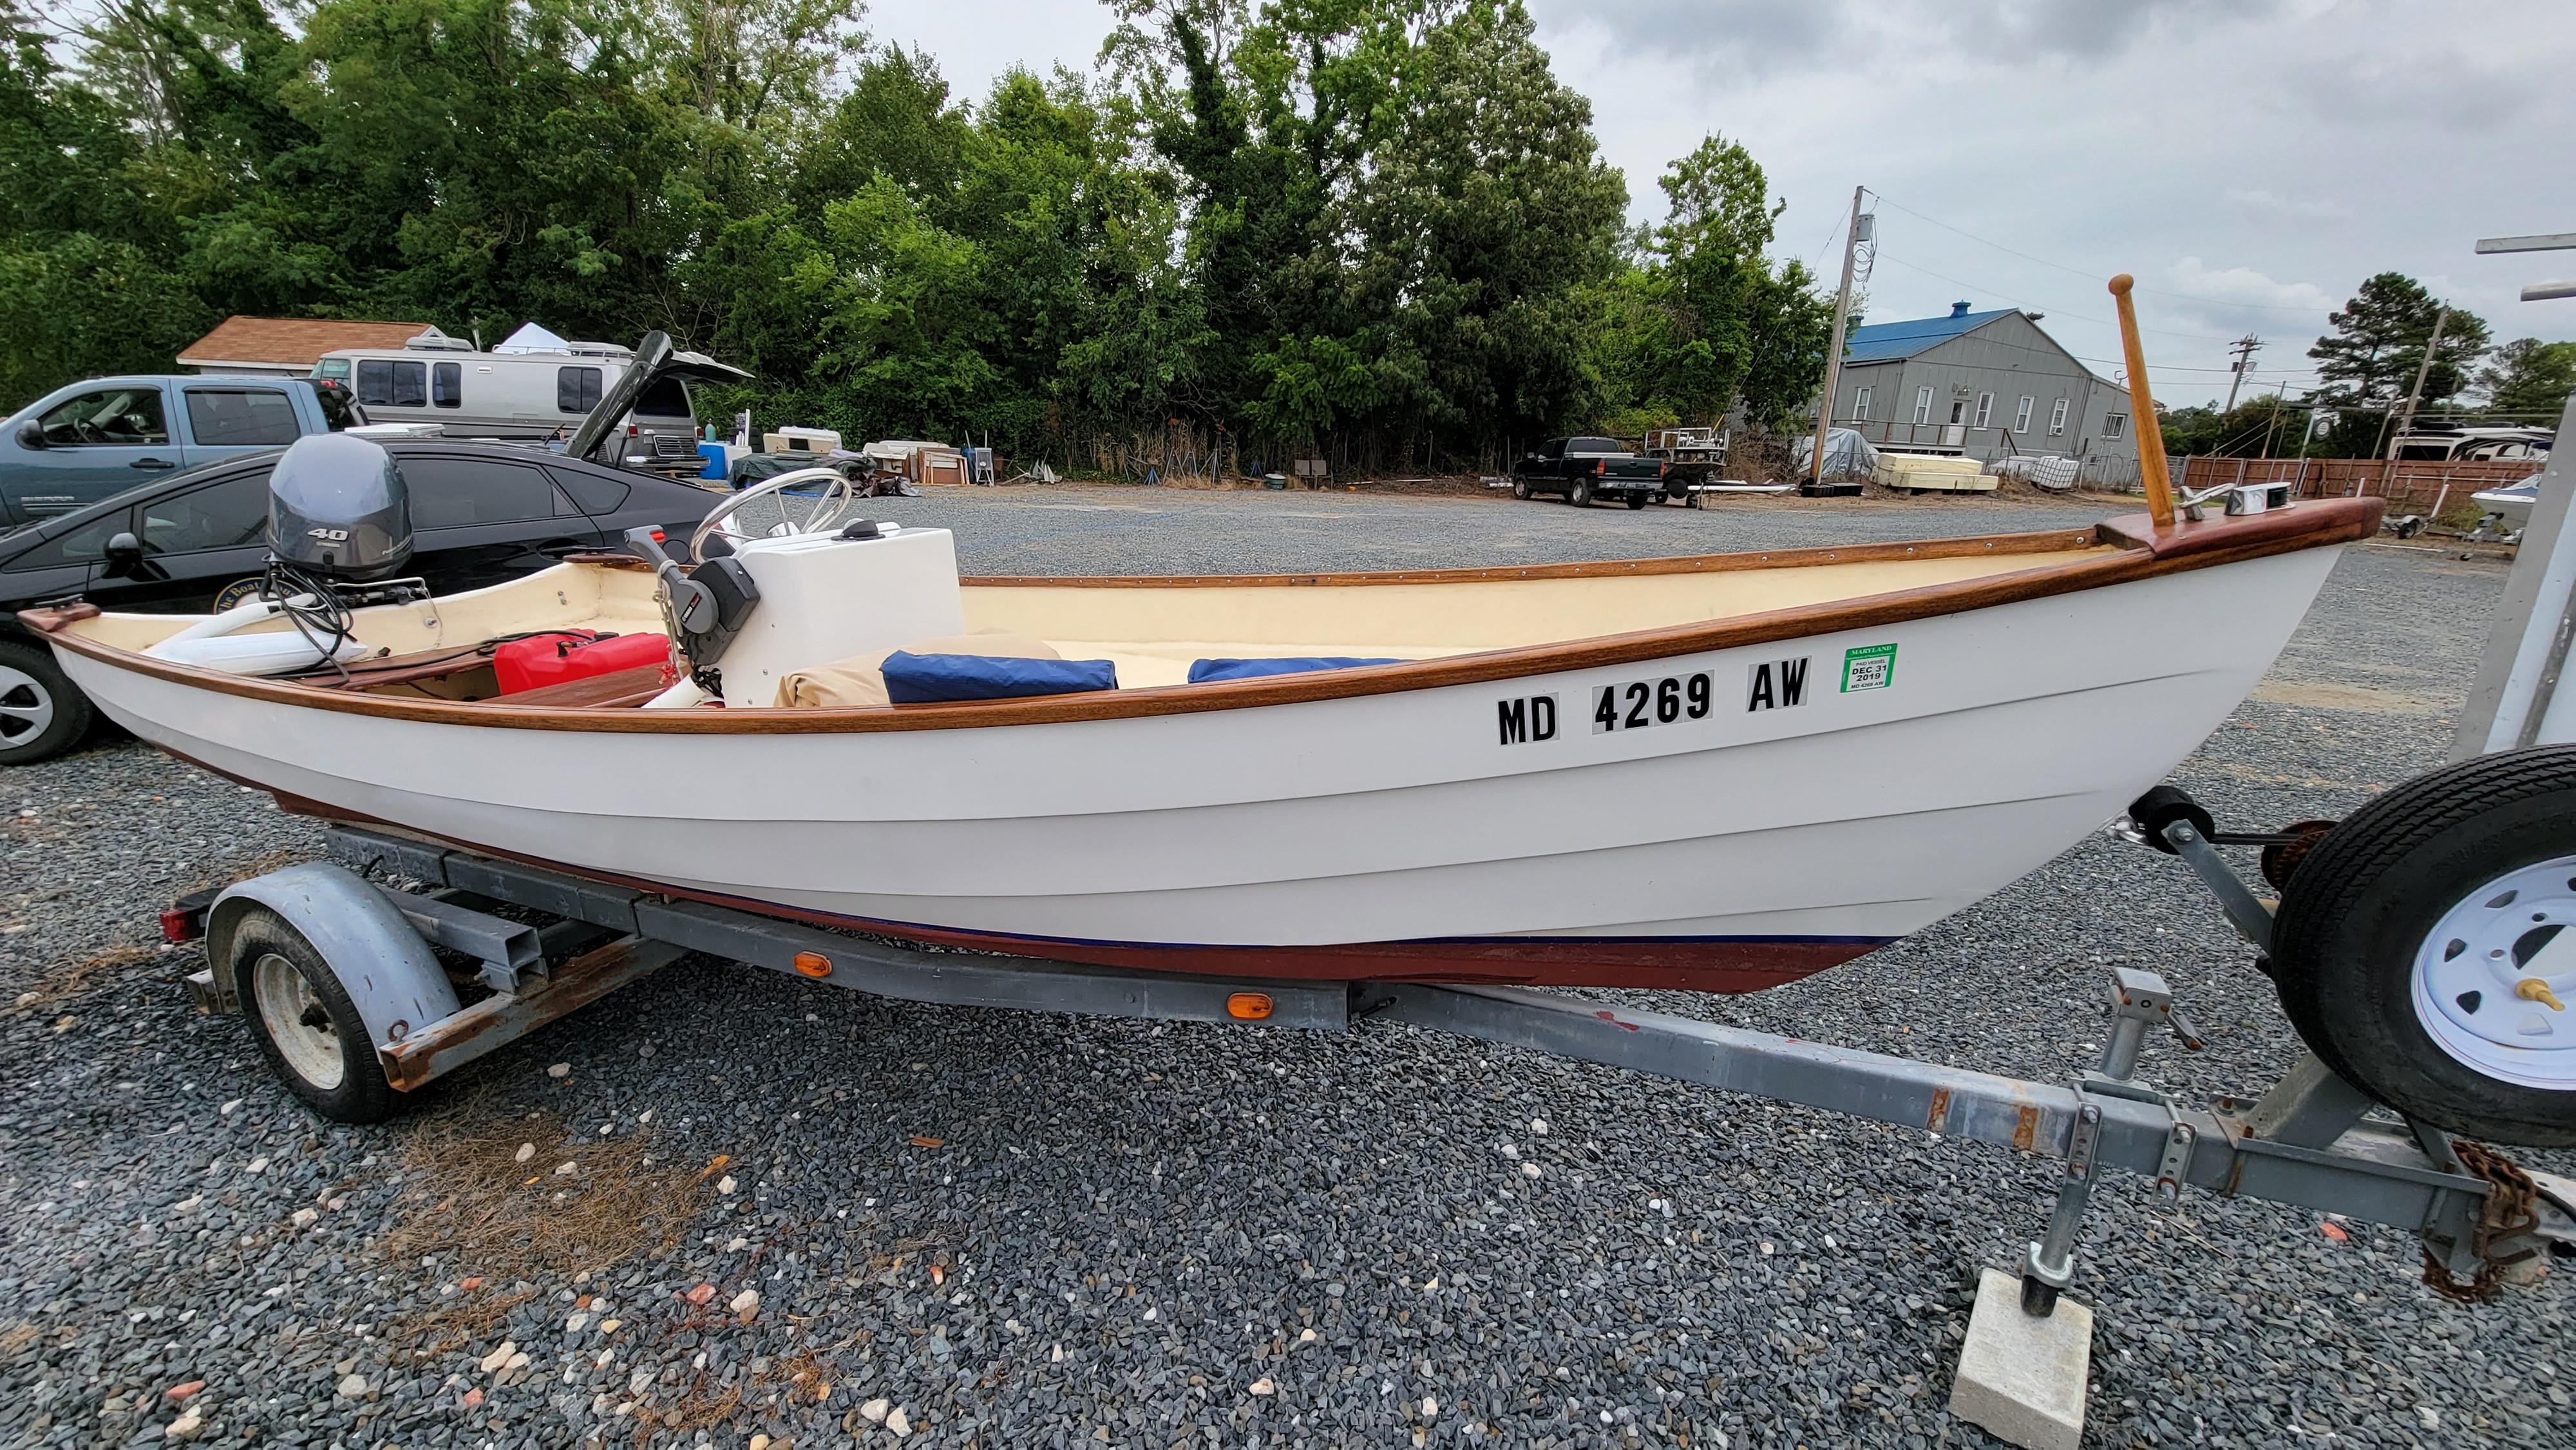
(86, 285)
(1381, 228)
(1702, 323)
(2239, 432)
(2529, 380)
(2378, 341)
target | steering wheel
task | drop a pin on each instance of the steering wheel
(821, 516)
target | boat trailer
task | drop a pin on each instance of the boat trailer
(401, 955)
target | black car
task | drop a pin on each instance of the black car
(481, 513)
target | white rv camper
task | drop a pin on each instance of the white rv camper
(514, 391)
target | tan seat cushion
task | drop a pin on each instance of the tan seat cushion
(860, 679)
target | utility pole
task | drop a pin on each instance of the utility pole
(2441, 319)
(1815, 484)
(2244, 347)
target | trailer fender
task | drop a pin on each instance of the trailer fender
(387, 970)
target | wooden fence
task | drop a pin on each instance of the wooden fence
(2410, 487)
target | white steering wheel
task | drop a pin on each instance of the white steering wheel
(821, 516)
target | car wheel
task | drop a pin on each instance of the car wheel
(308, 1030)
(2417, 949)
(1520, 488)
(1581, 494)
(42, 714)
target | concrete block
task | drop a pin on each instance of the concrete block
(2023, 1379)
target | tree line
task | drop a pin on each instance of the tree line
(2367, 364)
(1377, 231)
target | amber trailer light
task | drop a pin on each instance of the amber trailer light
(813, 964)
(1248, 1006)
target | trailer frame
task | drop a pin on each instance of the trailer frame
(2310, 1140)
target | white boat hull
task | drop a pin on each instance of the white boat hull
(1385, 834)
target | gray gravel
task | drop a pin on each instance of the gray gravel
(1137, 1227)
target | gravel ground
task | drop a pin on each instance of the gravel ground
(1018, 1230)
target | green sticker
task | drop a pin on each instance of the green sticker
(1871, 667)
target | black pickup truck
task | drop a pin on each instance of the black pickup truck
(1583, 469)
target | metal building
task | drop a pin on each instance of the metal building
(1982, 385)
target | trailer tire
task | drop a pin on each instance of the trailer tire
(1580, 495)
(307, 1028)
(2403, 947)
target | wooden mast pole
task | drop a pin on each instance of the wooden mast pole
(2142, 409)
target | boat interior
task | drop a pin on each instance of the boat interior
(1152, 630)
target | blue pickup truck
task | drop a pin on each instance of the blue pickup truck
(79, 444)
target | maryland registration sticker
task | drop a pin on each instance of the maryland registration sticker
(1870, 667)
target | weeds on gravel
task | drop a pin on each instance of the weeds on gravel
(63, 981)
(696, 1410)
(472, 1199)
(259, 865)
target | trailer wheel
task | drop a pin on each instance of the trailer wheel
(2418, 948)
(307, 1028)
(1580, 495)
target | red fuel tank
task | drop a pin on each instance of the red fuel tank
(572, 654)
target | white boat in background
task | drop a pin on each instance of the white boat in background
(2511, 503)
(1717, 772)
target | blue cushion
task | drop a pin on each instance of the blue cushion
(1208, 671)
(913, 679)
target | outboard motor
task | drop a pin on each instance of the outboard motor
(339, 525)
(337, 510)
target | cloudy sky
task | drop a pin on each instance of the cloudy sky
(2249, 160)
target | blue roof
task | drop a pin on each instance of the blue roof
(1888, 341)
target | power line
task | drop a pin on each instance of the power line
(2089, 273)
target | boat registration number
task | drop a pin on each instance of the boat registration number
(1640, 703)
(1637, 704)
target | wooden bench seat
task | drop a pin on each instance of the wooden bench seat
(619, 689)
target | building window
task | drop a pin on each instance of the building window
(2057, 420)
(1922, 405)
(1958, 410)
(2115, 426)
(2021, 418)
(1860, 405)
(1985, 409)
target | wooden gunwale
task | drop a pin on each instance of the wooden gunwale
(2144, 552)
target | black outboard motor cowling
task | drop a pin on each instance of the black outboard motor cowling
(337, 509)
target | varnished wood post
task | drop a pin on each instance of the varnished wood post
(2142, 409)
